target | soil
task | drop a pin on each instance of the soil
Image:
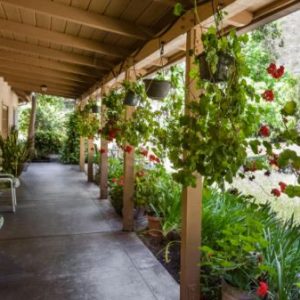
(167, 251)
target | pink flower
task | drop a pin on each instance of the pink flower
(262, 289)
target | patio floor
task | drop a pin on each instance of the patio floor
(64, 243)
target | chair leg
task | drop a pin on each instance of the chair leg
(13, 198)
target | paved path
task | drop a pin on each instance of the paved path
(65, 244)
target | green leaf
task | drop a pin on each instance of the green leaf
(289, 108)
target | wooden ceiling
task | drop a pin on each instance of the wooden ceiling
(71, 45)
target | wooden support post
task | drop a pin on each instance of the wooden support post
(31, 129)
(129, 176)
(104, 157)
(91, 150)
(82, 154)
(191, 203)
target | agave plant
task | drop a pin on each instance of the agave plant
(14, 154)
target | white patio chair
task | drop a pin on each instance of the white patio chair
(12, 182)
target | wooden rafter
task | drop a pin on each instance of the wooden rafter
(64, 56)
(48, 64)
(62, 38)
(40, 81)
(14, 67)
(83, 17)
(11, 73)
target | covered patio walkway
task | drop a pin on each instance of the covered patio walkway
(64, 243)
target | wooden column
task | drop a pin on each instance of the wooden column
(104, 156)
(31, 129)
(82, 154)
(90, 172)
(129, 175)
(191, 202)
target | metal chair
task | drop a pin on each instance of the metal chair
(12, 182)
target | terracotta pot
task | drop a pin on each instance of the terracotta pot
(157, 89)
(131, 99)
(231, 293)
(154, 226)
(224, 68)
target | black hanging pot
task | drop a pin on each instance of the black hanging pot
(157, 89)
(224, 70)
(131, 99)
(95, 109)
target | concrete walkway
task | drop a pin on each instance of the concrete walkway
(63, 243)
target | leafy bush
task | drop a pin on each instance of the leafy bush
(70, 149)
(47, 142)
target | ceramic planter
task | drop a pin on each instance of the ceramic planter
(231, 293)
(131, 99)
(154, 226)
(157, 89)
(224, 68)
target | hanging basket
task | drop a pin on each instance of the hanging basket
(131, 99)
(224, 68)
(157, 89)
(231, 293)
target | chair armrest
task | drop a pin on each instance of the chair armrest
(2, 175)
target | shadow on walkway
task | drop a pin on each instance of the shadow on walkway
(63, 243)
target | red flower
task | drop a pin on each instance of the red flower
(279, 72)
(128, 149)
(264, 131)
(268, 95)
(282, 186)
(102, 150)
(274, 72)
(152, 157)
(274, 160)
(121, 182)
(271, 69)
(114, 180)
(157, 160)
(262, 290)
(276, 192)
(144, 152)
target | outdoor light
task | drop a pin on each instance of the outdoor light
(44, 88)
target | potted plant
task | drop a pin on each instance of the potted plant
(158, 87)
(14, 154)
(134, 91)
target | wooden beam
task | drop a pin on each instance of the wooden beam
(12, 66)
(90, 170)
(82, 153)
(48, 64)
(83, 17)
(272, 12)
(40, 80)
(191, 200)
(63, 56)
(241, 19)
(129, 175)
(51, 90)
(62, 39)
(104, 156)
(176, 32)
(38, 83)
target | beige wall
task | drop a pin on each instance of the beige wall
(8, 98)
